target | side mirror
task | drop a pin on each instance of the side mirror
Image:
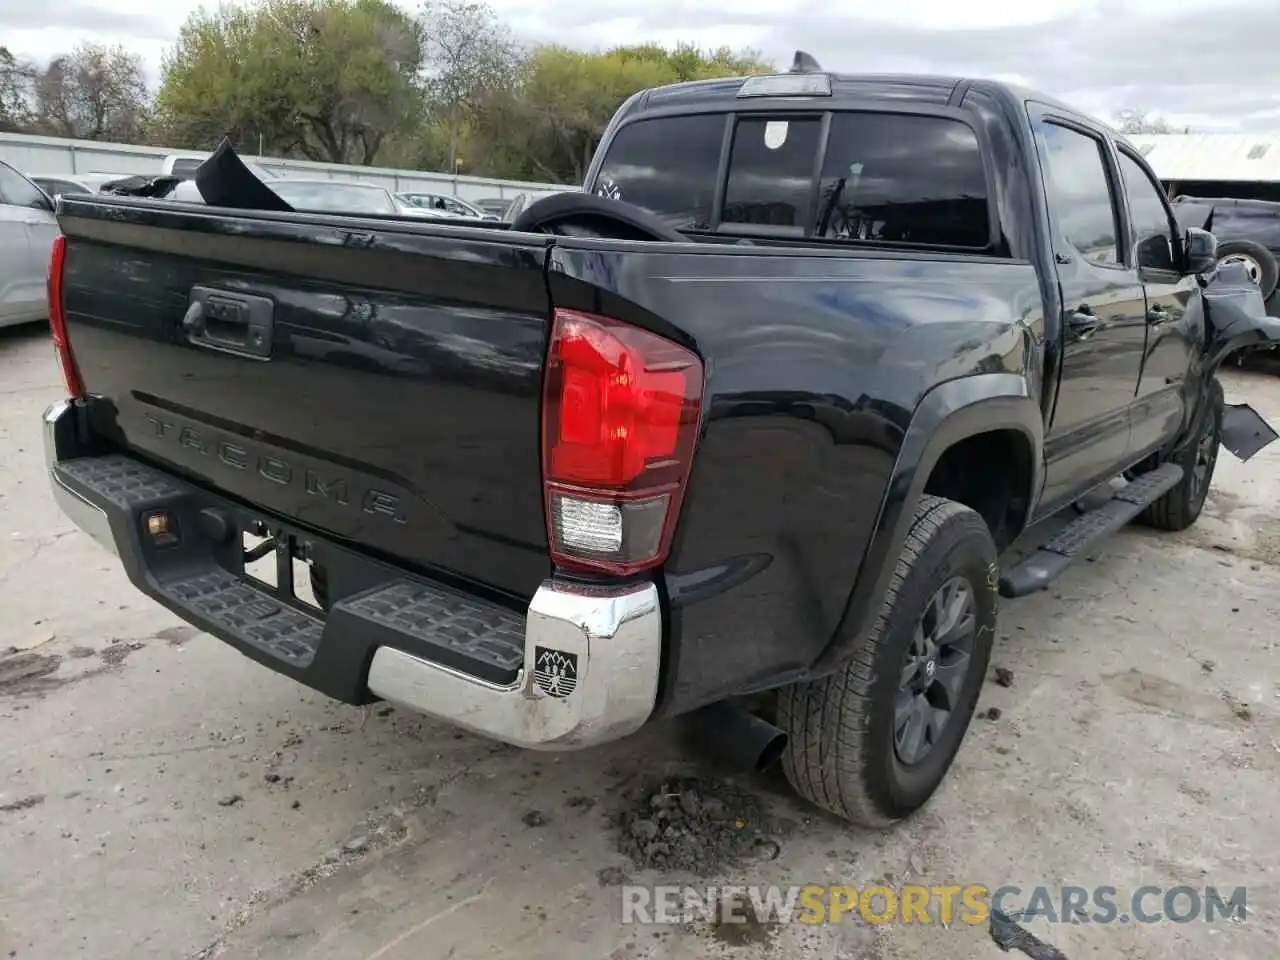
(1200, 250)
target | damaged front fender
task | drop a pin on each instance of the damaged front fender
(1235, 315)
(1236, 319)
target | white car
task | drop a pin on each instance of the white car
(27, 231)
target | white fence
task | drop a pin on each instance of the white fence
(53, 155)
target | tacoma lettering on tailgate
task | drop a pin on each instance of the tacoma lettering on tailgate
(270, 468)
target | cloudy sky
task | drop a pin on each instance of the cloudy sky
(1210, 65)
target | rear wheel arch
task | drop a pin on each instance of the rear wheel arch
(946, 419)
(992, 472)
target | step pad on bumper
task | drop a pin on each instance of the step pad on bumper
(123, 481)
(200, 579)
(252, 615)
(464, 632)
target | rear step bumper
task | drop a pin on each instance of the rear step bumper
(580, 668)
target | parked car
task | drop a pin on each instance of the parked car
(27, 229)
(55, 185)
(326, 196)
(185, 167)
(495, 207)
(441, 204)
(1248, 233)
(760, 415)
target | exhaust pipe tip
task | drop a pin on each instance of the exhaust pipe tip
(744, 740)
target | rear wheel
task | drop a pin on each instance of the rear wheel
(872, 742)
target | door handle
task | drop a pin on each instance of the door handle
(1157, 315)
(1082, 324)
(238, 323)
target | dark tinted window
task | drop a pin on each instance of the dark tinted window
(905, 179)
(16, 190)
(771, 172)
(1152, 230)
(668, 166)
(1079, 192)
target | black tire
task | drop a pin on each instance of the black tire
(585, 214)
(841, 752)
(1181, 506)
(1268, 271)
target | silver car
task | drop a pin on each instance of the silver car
(72, 184)
(27, 230)
(316, 196)
(442, 205)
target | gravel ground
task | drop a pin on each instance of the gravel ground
(162, 796)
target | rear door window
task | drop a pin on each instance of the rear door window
(903, 179)
(668, 166)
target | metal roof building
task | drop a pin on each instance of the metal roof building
(1249, 157)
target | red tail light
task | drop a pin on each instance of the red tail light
(620, 418)
(58, 320)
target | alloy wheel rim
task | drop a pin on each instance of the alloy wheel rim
(935, 670)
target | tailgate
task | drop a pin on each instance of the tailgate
(376, 382)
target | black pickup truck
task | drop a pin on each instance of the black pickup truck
(1248, 233)
(751, 418)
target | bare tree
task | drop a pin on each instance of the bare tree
(1138, 120)
(468, 56)
(16, 92)
(94, 93)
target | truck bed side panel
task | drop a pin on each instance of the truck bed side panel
(814, 366)
(399, 409)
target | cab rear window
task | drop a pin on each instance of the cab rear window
(667, 165)
(884, 177)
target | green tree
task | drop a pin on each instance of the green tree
(549, 124)
(324, 79)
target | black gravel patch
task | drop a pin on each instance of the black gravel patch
(695, 825)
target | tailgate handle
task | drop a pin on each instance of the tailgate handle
(238, 323)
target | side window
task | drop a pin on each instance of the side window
(906, 179)
(1080, 197)
(17, 191)
(668, 166)
(771, 172)
(1151, 225)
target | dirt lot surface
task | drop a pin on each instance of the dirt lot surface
(162, 796)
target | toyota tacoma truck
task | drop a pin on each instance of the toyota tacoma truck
(754, 417)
